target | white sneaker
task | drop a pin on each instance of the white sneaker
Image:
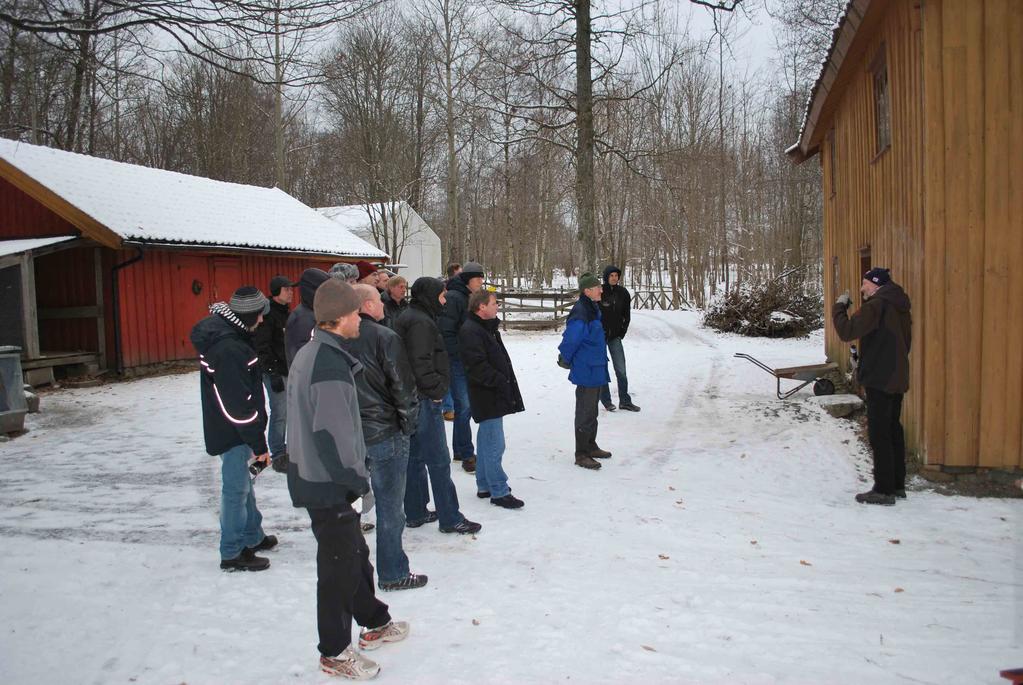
(349, 664)
(373, 638)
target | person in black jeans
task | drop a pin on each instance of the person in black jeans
(269, 342)
(615, 315)
(884, 328)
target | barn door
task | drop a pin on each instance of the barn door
(192, 298)
(227, 277)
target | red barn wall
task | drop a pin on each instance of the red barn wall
(23, 217)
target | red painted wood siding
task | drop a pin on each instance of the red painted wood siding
(23, 217)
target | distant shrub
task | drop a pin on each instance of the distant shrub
(775, 309)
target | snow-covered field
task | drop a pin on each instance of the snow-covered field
(721, 544)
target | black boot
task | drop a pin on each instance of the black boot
(875, 497)
(409, 582)
(586, 462)
(599, 454)
(246, 561)
(628, 407)
(280, 463)
(509, 501)
(267, 543)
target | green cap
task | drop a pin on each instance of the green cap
(587, 280)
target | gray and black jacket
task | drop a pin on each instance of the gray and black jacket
(326, 449)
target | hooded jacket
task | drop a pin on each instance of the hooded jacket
(230, 383)
(615, 306)
(493, 388)
(269, 340)
(583, 345)
(387, 390)
(326, 449)
(302, 321)
(417, 327)
(392, 309)
(453, 315)
(884, 327)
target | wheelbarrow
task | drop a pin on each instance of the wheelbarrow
(807, 374)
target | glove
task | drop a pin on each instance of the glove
(844, 299)
(277, 383)
(562, 363)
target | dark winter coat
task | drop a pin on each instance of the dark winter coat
(302, 321)
(884, 327)
(583, 345)
(453, 315)
(493, 389)
(388, 403)
(326, 447)
(615, 306)
(230, 383)
(392, 309)
(269, 340)
(417, 328)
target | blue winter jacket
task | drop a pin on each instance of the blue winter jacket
(583, 345)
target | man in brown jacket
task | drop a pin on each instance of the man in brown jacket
(884, 328)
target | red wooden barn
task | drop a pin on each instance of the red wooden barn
(109, 265)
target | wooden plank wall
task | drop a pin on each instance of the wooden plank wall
(973, 66)
(878, 197)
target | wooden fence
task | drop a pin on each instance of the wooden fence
(543, 309)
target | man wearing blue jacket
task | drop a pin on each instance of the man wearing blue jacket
(584, 349)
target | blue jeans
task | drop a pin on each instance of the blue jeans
(388, 469)
(428, 451)
(448, 404)
(278, 419)
(240, 520)
(490, 476)
(461, 438)
(617, 353)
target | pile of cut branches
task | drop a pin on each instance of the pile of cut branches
(772, 309)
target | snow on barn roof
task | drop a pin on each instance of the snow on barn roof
(113, 202)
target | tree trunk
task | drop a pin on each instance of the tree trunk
(587, 230)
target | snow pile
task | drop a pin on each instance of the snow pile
(720, 544)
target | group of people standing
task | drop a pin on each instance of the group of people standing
(355, 377)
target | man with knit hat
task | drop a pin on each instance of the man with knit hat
(584, 350)
(326, 474)
(343, 271)
(615, 315)
(884, 328)
(301, 321)
(269, 343)
(367, 272)
(234, 421)
(459, 288)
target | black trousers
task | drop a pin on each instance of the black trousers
(586, 400)
(344, 579)
(884, 429)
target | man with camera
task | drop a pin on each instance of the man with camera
(269, 341)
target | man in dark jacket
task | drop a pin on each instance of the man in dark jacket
(468, 281)
(884, 328)
(584, 350)
(493, 394)
(389, 409)
(326, 473)
(269, 342)
(394, 300)
(234, 420)
(615, 314)
(428, 450)
(302, 321)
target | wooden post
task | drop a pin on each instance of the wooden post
(101, 328)
(30, 321)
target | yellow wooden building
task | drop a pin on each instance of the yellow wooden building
(917, 118)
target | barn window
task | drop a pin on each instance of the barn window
(831, 161)
(882, 102)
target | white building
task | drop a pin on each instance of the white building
(415, 248)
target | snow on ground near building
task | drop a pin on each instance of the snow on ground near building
(721, 544)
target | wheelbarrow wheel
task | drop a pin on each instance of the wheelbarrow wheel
(822, 386)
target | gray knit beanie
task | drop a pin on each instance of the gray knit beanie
(343, 271)
(334, 299)
(248, 303)
(471, 270)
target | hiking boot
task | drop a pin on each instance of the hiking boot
(509, 501)
(599, 454)
(449, 416)
(900, 493)
(610, 407)
(431, 516)
(628, 407)
(280, 463)
(463, 527)
(874, 497)
(586, 462)
(349, 664)
(409, 582)
(392, 631)
(246, 561)
(483, 494)
(469, 464)
(266, 544)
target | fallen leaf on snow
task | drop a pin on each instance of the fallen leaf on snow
(895, 541)
(804, 562)
(899, 589)
(663, 556)
(475, 622)
(671, 488)
(648, 648)
(753, 542)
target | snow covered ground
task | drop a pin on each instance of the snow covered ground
(721, 544)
